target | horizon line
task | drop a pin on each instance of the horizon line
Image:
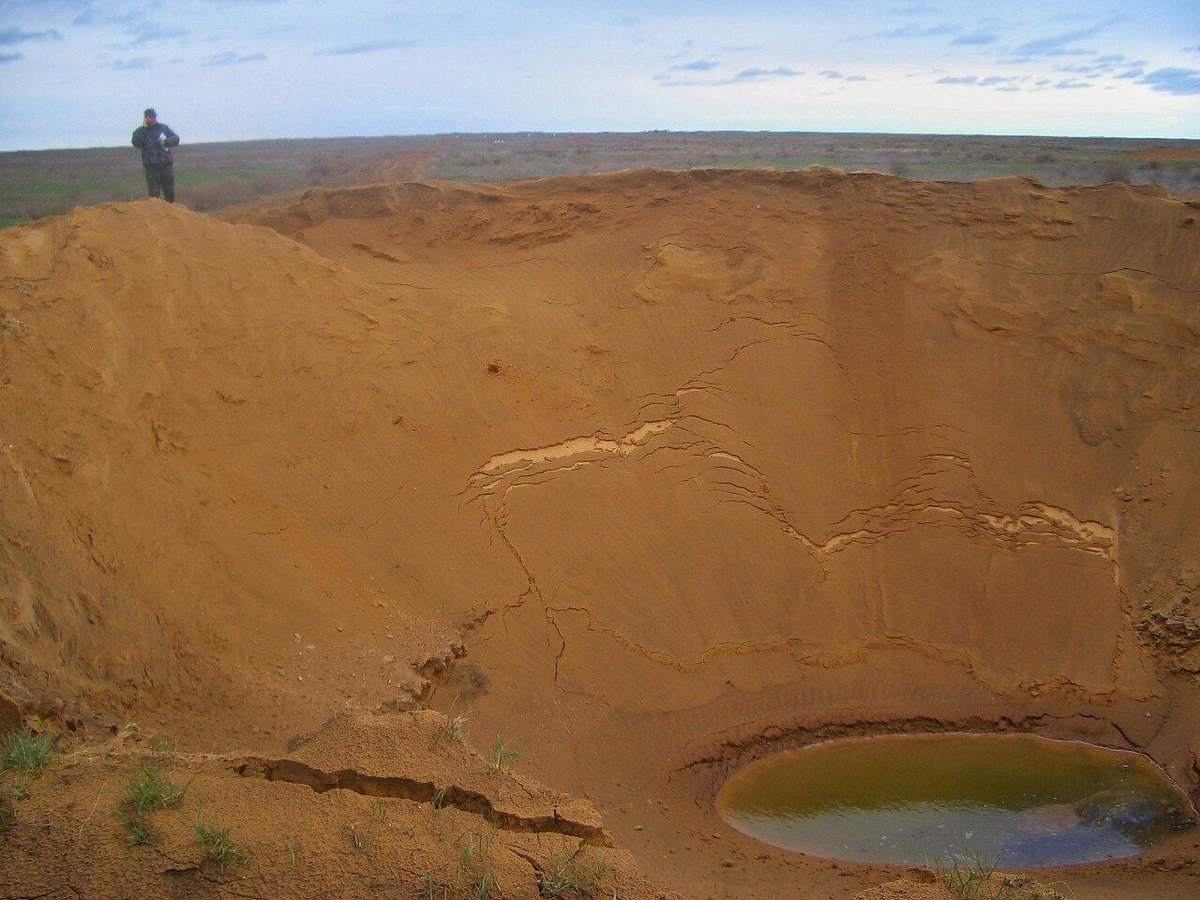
(530, 133)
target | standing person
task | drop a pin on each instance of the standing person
(155, 140)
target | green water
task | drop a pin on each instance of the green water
(1016, 800)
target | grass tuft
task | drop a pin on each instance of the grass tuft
(569, 875)
(967, 877)
(476, 869)
(12, 790)
(146, 790)
(219, 846)
(137, 827)
(451, 730)
(432, 889)
(502, 758)
(18, 787)
(974, 878)
(23, 749)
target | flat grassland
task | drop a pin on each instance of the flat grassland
(213, 176)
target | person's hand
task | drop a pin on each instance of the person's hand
(162, 138)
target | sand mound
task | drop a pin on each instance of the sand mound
(655, 472)
(312, 823)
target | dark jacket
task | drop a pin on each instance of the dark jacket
(154, 151)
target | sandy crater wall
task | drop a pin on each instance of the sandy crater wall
(693, 464)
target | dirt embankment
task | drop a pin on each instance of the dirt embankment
(651, 473)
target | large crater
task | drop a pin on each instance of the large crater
(697, 466)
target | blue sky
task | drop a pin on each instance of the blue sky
(76, 73)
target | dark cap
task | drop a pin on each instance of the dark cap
(150, 112)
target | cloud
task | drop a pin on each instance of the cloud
(40, 5)
(1070, 84)
(626, 22)
(1133, 73)
(1058, 44)
(14, 35)
(835, 75)
(981, 36)
(366, 47)
(696, 65)
(1103, 65)
(745, 76)
(93, 16)
(1118, 59)
(909, 31)
(986, 81)
(757, 74)
(10, 57)
(137, 62)
(229, 58)
(1173, 80)
(1195, 49)
(147, 31)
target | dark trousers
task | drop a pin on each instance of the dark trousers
(161, 180)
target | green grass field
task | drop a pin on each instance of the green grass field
(213, 176)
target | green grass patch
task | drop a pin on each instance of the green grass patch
(23, 749)
(218, 845)
(146, 791)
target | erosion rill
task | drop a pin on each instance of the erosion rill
(652, 474)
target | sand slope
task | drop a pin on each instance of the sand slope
(653, 471)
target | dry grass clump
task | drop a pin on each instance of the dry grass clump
(974, 878)
(570, 875)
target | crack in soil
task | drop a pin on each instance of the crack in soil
(399, 787)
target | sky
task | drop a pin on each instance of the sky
(77, 73)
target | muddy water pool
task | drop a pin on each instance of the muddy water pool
(1015, 800)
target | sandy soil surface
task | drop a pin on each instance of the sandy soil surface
(649, 473)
